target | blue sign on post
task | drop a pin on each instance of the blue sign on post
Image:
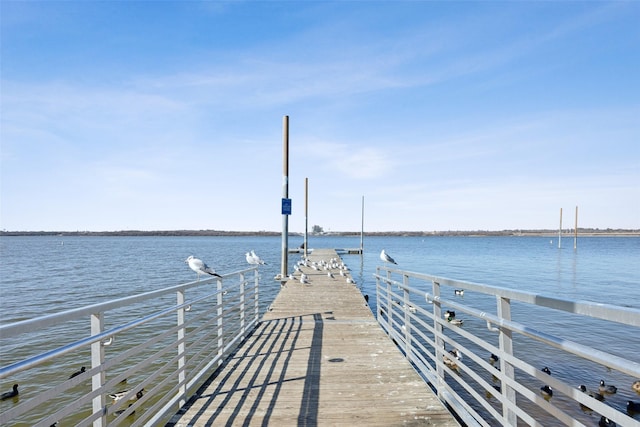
(286, 206)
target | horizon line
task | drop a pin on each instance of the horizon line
(250, 232)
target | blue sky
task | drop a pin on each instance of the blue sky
(443, 115)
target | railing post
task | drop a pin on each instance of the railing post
(242, 308)
(182, 374)
(506, 345)
(220, 332)
(389, 305)
(437, 326)
(407, 317)
(378, 295)
(380, 302)
(97, 359)
(256, 295)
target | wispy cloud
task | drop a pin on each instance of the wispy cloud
(349, 160)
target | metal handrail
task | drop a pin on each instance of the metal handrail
(36, 323)
(168, 362)
(410, 310)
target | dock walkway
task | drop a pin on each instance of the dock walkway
(318, 358)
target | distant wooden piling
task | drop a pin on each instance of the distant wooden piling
(575, 232)
(560, 231)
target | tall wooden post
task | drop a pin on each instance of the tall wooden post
(285, 196)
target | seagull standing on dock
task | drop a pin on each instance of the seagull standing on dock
(386, 258)
(200, 267)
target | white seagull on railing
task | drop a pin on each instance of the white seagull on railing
(250, 259)
(386, 258)
(200, 267)
(257, 258)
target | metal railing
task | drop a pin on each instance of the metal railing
(143, 353)
(480, 363)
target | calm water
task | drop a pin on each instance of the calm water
(40, 275)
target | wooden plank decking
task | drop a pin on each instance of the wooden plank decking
(318, 358)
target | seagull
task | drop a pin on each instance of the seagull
(386, 258)
(81, 371)
(10, 394)
(251, 260)
(257, 259)
(303, 278)
(200, 267)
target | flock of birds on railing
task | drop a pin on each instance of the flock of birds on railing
(202, 269)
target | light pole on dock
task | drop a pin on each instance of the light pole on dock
(286, 202)
(306, 215)
(362, 228)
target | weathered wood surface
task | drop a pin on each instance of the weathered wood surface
(318, 358)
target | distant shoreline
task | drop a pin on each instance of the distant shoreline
(586, 232)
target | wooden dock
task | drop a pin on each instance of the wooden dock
(318, 358)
